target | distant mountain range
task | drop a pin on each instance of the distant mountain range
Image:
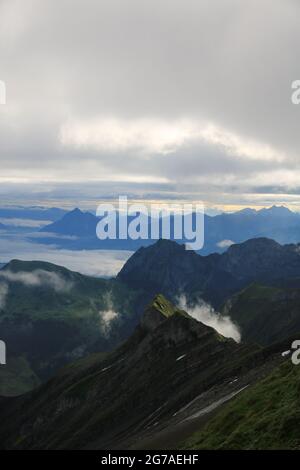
(74, 223)
(221, 231)
(33, 213)
(22, 220)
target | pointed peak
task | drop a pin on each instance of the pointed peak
(158, 311)
(76, 211)
(164, 306)
(278, 210)
(79, 214)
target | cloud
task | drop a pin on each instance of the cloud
(99, 263)
(114, 135)
(205, 313)
(177, 92)
(17, 222)
(38, 277)
(3, 295)
(225, 243)
(109, 315)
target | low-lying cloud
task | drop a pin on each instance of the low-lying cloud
(97, 263)
(225, 243)
(3, 295)
(109, 315)
(18, 222)
(205, 313)
(38, 277)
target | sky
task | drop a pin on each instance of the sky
(160, 99)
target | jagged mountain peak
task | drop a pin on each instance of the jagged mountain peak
(78, 213)
(161, 374)
(163, 325)
(76, 210)
(75, 222)
(165, 307)
(158, 311)
(261, 243)
(212, 277)
(276, 210)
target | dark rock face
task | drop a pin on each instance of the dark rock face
(175, 325)
(261, 258)
(165, 265)
(109, 401)
(168, 268)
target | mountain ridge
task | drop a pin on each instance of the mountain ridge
(156, 392)
(276, 222)
(168, 268)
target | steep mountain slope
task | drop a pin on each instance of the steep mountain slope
(171, 367)
(266, 313)
(168, 268)
(50, 316)
(266, 416)
(261, 258)
(76, 222)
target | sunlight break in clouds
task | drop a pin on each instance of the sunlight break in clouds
(159, 137)
(148, 136)
(205, 313)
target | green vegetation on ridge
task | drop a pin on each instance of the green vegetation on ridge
(265, 416)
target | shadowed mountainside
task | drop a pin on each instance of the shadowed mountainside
(168, 268)
(170, 368)
(50, 316)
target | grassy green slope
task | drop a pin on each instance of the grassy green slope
(52, 316)
(265, 314)
(17, 377)
(108, 400)
(265, 416)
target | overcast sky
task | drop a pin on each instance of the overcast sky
(168, 97)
